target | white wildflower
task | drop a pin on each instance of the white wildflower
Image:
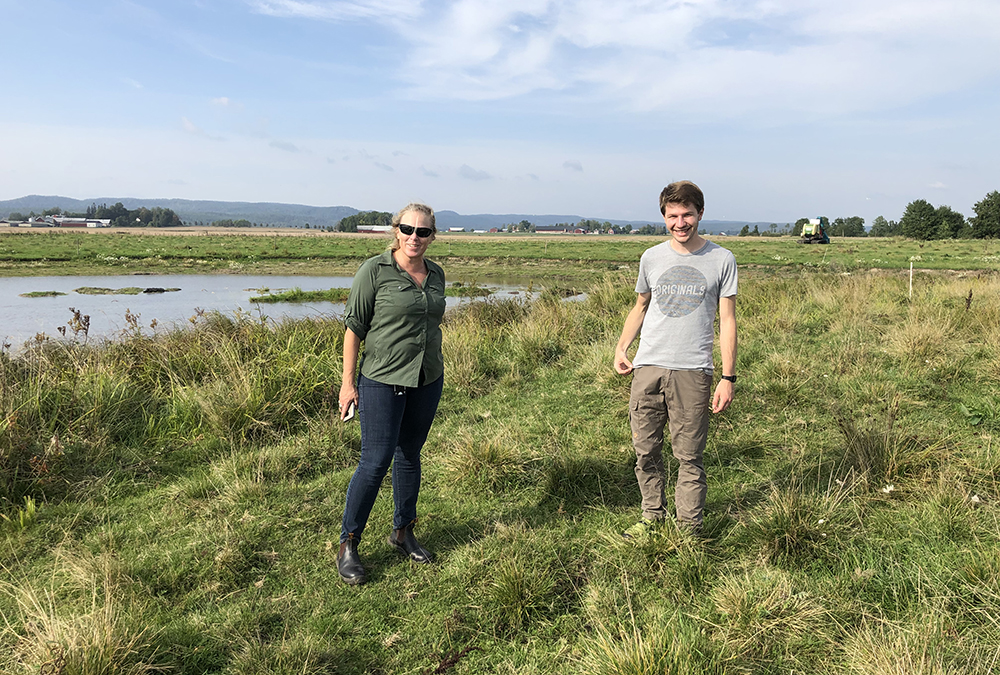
(888, 488)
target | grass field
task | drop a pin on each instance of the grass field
(563, 258)
(173, 504)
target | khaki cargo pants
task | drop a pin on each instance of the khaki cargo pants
(680, 399)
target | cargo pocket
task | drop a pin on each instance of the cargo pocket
(647, 416)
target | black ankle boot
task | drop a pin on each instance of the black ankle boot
(349, 564)
(404, 542)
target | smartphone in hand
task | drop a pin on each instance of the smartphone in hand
(349, 413)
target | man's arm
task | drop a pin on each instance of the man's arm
(727, 347)
(633, 322)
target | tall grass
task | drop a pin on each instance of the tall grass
(172, 503)
(73, 408)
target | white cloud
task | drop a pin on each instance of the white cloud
(226, 102)
(190, 127)
(466, 171)
(703, 56)
(938, 185)
(339, 10)
(573, 165)
(284, 145)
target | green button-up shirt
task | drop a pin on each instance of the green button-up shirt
(399, 321)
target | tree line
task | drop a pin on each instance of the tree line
(364, 218)
(140, 217)
(921, 220)
(117, 214)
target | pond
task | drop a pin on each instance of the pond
(22, 318)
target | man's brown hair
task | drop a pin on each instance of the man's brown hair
(682, 192)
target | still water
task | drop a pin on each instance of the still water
(21, 319)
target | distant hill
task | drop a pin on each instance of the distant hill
(192, 211)
(298, 215)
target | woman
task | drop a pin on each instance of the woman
(395, 308)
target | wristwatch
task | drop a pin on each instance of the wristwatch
(731, 378)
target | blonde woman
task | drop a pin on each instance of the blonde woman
(395, 308)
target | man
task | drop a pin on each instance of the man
(680, 284)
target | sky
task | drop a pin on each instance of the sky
(778, 109)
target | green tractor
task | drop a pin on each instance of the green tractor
(814, 232)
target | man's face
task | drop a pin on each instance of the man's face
(682, 221)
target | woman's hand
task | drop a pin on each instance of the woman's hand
(349, 390)
(348, 396)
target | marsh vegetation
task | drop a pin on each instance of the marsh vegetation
(529, 257)
(172, 503)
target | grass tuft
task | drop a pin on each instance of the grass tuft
(106, 637)
(791, 525)
(675, 645)
(767, 620)
(877, 454)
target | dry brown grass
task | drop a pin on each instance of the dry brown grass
(108, 637)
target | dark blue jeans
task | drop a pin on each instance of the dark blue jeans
(395, 422)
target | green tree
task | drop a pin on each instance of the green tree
(919, 221)
(745, 232)
(55, 211)
(799, 224)
(883, 228)
(366, 218)
(117, 214)
(16, 215)
(848, 227)
(756, 231)
(164, 218)
(986, 223)
(951, 223)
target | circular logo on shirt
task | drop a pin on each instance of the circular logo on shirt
(679, 291)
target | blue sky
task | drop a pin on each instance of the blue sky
(778, 109)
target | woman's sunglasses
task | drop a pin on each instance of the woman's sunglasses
(422, 232)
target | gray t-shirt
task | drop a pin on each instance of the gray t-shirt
(679, 327)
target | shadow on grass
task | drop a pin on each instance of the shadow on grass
(191, 650)
(573, 484)
(729, 454)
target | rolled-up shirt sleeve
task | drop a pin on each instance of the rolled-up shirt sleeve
(361, 302)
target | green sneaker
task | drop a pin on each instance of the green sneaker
(640, 530)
